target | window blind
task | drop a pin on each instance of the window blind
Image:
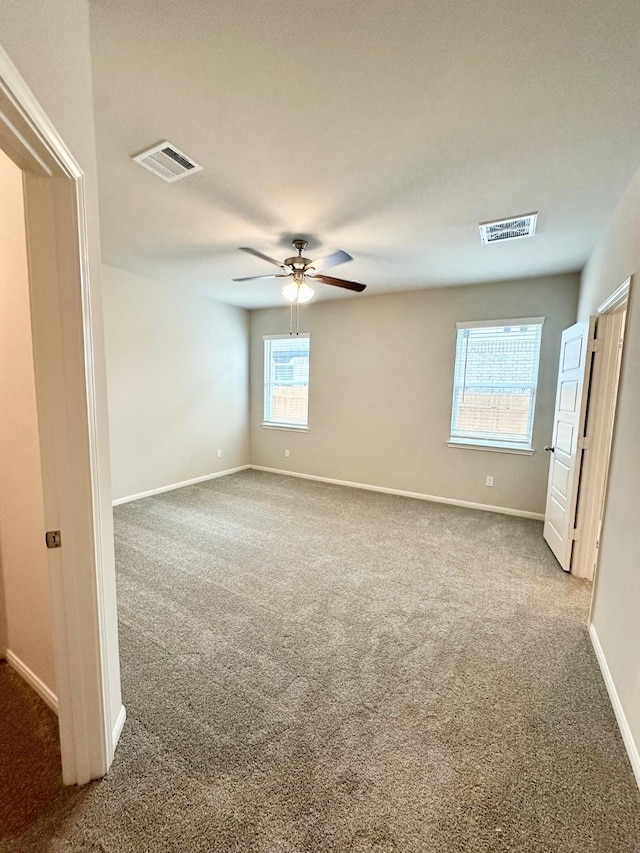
(286, 380)
(495, 380)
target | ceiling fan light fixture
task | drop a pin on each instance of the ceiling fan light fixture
(299, 292)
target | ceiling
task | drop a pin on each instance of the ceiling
(388, 128)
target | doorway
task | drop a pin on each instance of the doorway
(74, 465)
(27, 638)
(603, 394)
(588, 377)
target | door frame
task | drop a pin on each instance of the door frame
(603, 393)
(75, 493)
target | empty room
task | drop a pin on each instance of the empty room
(319, 467)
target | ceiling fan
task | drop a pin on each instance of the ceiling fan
(301, 270)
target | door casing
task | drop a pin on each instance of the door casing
(75, 491)
(603, 394)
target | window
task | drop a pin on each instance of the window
(286, 380)
(494, 385)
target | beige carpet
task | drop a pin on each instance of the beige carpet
(309, 668)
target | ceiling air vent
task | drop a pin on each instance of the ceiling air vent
(167, 162)
(508, 229)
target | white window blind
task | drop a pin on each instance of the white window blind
(495, 381)
(286, 380)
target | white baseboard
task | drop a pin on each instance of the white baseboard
(625, 731)
(504, 510)
(47, 695)
(173, 486)
(119, 725)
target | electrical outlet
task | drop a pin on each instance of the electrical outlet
(489, 481)
(218, 453)
(286, 453)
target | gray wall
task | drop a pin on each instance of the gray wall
(616, 606)
(381, 376)
(178, 385)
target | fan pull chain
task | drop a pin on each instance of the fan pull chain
(297, 315)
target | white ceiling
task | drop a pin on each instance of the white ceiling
(388, 128)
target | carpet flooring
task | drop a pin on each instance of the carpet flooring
(30, 770)
(309, 668)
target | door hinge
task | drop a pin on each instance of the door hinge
(53, 538)
(583, 443)
(573, 533)
(595, 345)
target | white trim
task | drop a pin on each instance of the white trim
(494, 448)
(287, 427)
(616, 299)
(599, 427)
(45, 693)
(33, 119)
(119, 725)
(286, 336)
(60, 291)
(503, 510)
(623, 725)
(491, 324)
(181, 485)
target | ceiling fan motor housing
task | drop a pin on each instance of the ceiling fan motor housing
(298, 263)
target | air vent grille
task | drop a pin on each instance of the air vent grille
(508, 229)
(167, 162)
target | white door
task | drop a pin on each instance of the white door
(566, 444)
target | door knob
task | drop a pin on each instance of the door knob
(549, 449)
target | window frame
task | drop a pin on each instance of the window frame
(471, 442)
(272, 424)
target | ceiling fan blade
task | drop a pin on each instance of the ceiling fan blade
(261, 255)
(252, 277)
(340, 282)
(331, 260)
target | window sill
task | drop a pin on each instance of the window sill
(493, 448)
(286, 427)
